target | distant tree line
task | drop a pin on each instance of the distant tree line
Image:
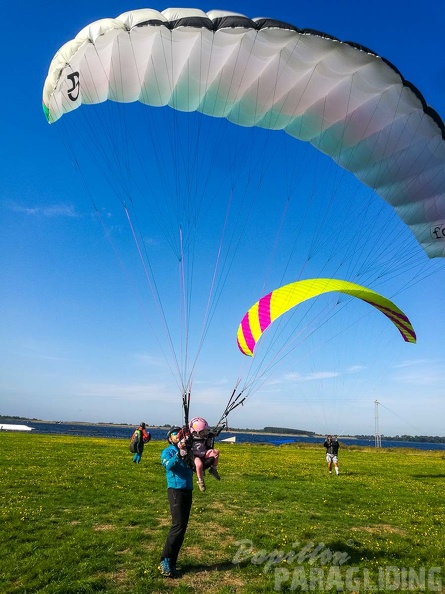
(416, 438)
(286, 430)
(14, 418)
(279, 430)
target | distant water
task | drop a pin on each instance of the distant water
(117, 432)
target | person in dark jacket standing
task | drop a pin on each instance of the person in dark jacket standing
(179, 490)
(331, 444)
(140, 437)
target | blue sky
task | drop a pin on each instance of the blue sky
(78, 322)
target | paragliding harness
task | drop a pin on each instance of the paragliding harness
(185, 435)
(136, 437)
(134, 441)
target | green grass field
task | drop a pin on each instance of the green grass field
(78, 516)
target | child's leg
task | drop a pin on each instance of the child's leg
(199, 467)
(213, 454)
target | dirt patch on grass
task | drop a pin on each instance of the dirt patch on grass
(163, 522)
(223, 507)
(103, 527)
(120, 577)
(206, 580)
(149, 546)
(379, 528)
(212, 529)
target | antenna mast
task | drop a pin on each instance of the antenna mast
(378, 439)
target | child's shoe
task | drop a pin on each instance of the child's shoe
(214, 472)
(201, 486)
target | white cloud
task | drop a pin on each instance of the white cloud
(425, 377)
(356, 368)
(148, 360)
(411, 363)
(309, 377)
(421, 372)
(54, 210)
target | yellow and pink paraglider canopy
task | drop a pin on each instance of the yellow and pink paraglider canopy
(276, 303)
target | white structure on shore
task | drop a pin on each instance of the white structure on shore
(7, 427)
(229, 439)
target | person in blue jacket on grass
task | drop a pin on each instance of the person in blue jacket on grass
(179, 490)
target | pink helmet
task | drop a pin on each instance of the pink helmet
(198, 425)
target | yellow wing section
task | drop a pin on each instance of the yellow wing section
(274, 304)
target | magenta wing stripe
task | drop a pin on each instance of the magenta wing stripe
(399, 320)
(264, 311)
(247, 332)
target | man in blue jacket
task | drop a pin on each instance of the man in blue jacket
(179, 489)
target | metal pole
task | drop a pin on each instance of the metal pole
(377, 437)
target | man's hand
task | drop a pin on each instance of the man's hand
(182, 446)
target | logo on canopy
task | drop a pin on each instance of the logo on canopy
(73, 92)
(438, 232)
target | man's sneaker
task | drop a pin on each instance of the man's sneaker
(201, 486)
(168, 569)
(213, 471)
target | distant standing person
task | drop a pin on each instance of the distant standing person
(140, 437)
(331, 444)
(179, 477)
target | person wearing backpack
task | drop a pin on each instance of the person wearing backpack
(139, 438)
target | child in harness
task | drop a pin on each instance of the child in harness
(205, 456)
